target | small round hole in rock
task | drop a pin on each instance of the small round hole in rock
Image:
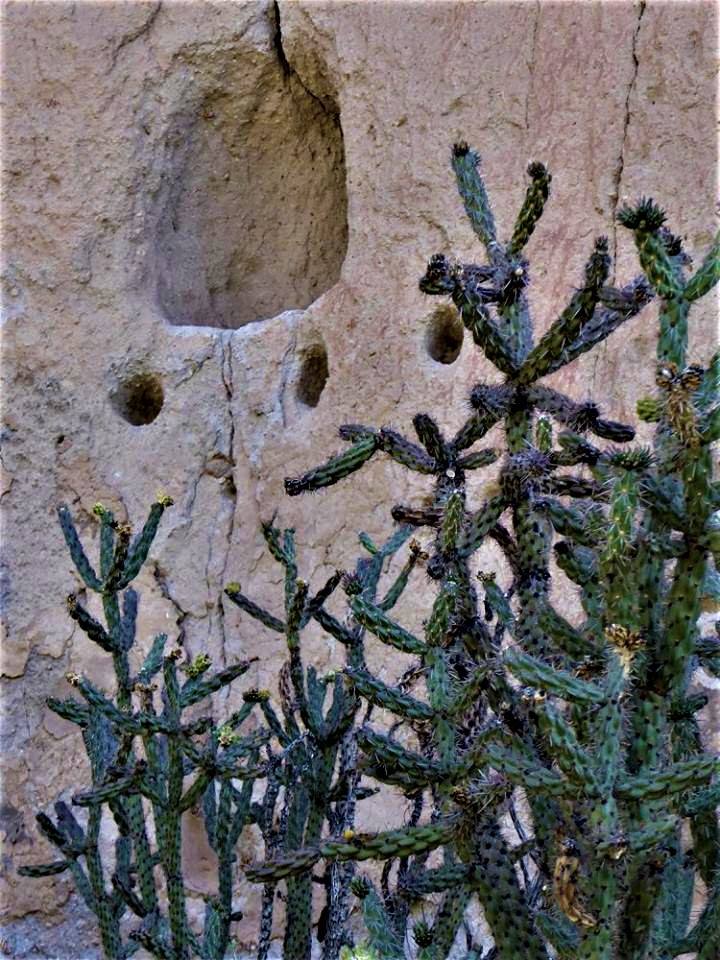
(313, 376)
(139, 399)
(444, 338)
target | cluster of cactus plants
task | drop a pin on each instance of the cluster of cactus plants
(554, 770)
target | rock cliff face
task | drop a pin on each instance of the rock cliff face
(215, 216)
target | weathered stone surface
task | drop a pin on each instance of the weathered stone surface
(214, 223)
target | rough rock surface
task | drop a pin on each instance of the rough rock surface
(214, 217)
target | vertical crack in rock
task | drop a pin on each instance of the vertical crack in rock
(286, 366)
(277, 39)
(620, 163)
(285, 65)
(226, 372)
(160, 579)
(531, 66)
(601, 353)
(128, 38)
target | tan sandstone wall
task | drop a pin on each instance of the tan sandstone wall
(214, 222)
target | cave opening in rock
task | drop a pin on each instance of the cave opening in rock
(138, 398)
(251, 219)
(313, 376)
(444, 336)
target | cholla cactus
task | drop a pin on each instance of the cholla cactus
(117, 728)
(592, 721)
(315, 765)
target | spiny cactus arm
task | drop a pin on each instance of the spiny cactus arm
(233, 592)
(119, 787)
(566, 637)
(474, 429)
(71, 710)
(534, 673)
(378, 923)
(389, 843)
(645, 220)
(77, 553)
(675, 778)
(481, 458)
(152, 663)
(431, 438)
(504, 904)
(566, 329)
(524, 772)
(437, 879)
(388, 697)
(704, 937)
(397, 588)
(470, 300)
(578, 416)
(289, 864)
(388, 758)
(335, 469)
(614, 308)
(402, 451)
(198, 688)
(624, 499)
(532, 208)
(465, 163)
(480, 524)
(581, 522)
(374, 619)
(707, 274)
(90, 626)
(44, 869)
(573, 760)
(139, 549)
(560, 933)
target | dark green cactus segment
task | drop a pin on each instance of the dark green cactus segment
(82, 564)
(482, 458)
(565, 330)
(233, 592)
(707, 274)
(44, 869)
(473, 429)
(197, 689)
(70, 710)
(479, 525)
(673, 779)
(505, 907)
(337, 468)
(390, 843)
(520, 770)
(373, 619)
(429, 435)
(572, 759)
(288, 865)
(452, 522)
(390, 698)
(645, 220)
(381, 930)
(392, 762)
(465, 163)
(154, 660)
(559, 932)
(468, 297)
(90, 626)
(532, 208)
(534, 673)
(408, 454)
(140, 548)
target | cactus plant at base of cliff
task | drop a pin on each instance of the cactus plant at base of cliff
(554, 770)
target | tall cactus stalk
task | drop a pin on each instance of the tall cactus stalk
(591, 720)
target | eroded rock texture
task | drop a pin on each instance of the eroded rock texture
(215, 216)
